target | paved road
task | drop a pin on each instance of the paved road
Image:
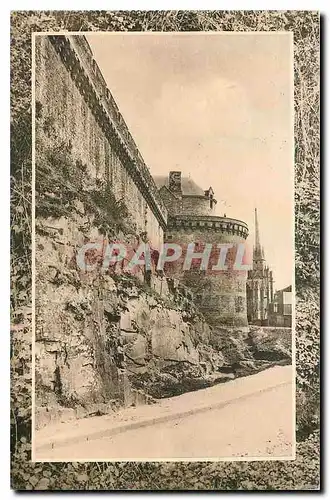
(248, 417)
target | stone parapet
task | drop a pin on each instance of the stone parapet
(213, 223)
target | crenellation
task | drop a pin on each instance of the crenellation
(218, 224)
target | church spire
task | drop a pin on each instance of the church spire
(256, 225)
(258, 251)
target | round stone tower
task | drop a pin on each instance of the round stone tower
(220, 294)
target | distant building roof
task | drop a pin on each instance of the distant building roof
(287, 289)
(189, 187)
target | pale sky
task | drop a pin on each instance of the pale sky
(218, 107)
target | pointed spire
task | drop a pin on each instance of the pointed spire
(256, 225)
(258, 251)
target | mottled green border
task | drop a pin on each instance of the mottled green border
(301, 474)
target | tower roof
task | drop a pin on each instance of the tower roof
(188, 186)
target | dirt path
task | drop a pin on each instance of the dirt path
(247, 417)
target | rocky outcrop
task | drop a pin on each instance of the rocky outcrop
(105, 340)
(271, 343)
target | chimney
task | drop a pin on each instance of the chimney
(174, 182)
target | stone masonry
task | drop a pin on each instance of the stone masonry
(221, 296)
(104, 339)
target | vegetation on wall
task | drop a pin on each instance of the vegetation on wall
(64, 186)
(61, 183)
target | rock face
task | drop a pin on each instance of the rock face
(167, 349)
(271, 343)
(108, 340)
(101, 339)
(105, 339)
